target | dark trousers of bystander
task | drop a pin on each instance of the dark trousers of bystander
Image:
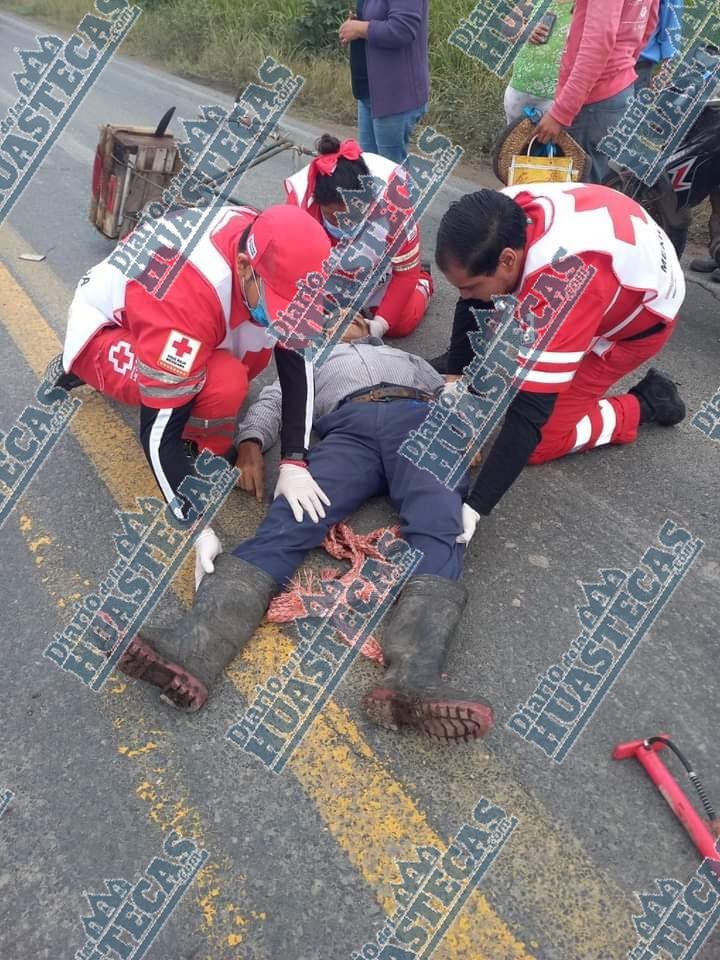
(645, 71)
(592, 124)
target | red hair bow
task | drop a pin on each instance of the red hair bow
(326, 164)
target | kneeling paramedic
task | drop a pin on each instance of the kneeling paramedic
(400, 298)
(520, 241)
(186, 359)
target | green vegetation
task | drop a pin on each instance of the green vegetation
(222, 42)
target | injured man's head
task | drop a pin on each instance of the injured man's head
(358, 329)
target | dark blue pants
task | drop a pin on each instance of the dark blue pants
(356, 458)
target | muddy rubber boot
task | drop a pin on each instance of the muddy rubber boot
(659, 399)
(417, 633)
(185, 661)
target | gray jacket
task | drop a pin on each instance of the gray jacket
(350, 367)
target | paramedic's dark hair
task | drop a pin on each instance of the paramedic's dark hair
(476, 229)
(242, 242)
(347, 173)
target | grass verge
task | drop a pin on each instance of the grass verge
(222, 42)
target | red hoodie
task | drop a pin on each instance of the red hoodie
(605, 40)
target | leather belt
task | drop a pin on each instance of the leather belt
(383, 394)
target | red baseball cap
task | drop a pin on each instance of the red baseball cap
(284, 245)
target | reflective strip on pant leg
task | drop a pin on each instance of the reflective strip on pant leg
(583, 432)
(609, 422)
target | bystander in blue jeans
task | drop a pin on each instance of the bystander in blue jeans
(592, 124)
(389, 136)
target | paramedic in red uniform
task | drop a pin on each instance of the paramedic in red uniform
(398, 303)
(500, 242)
(186, 359)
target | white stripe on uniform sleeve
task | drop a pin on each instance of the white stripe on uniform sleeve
(613, 301)
(552, 356)
(409, 255)
(624, 323)
(539, 376)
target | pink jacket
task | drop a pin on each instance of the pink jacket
(604, 43)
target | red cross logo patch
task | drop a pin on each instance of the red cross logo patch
(121, 357)
(179, 353)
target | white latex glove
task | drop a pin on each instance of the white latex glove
(378, 327)
(470, 520)
(207, 547)
(296, 484)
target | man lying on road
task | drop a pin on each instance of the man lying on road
(507, 242)
(368, 397)
(186, 360)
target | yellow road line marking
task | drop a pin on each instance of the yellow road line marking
(138, 751)
(105, 438)
(159, 787)
(99, 442)
(366, 809)
(368, 812)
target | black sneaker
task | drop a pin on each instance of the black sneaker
(659, 399)
(55, 373)
(192, 451)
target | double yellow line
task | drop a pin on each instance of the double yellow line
(556, 887)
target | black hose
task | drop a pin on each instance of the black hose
(692, 776)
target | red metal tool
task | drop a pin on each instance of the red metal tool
(704, 833)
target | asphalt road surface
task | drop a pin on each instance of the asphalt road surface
(302, 865)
